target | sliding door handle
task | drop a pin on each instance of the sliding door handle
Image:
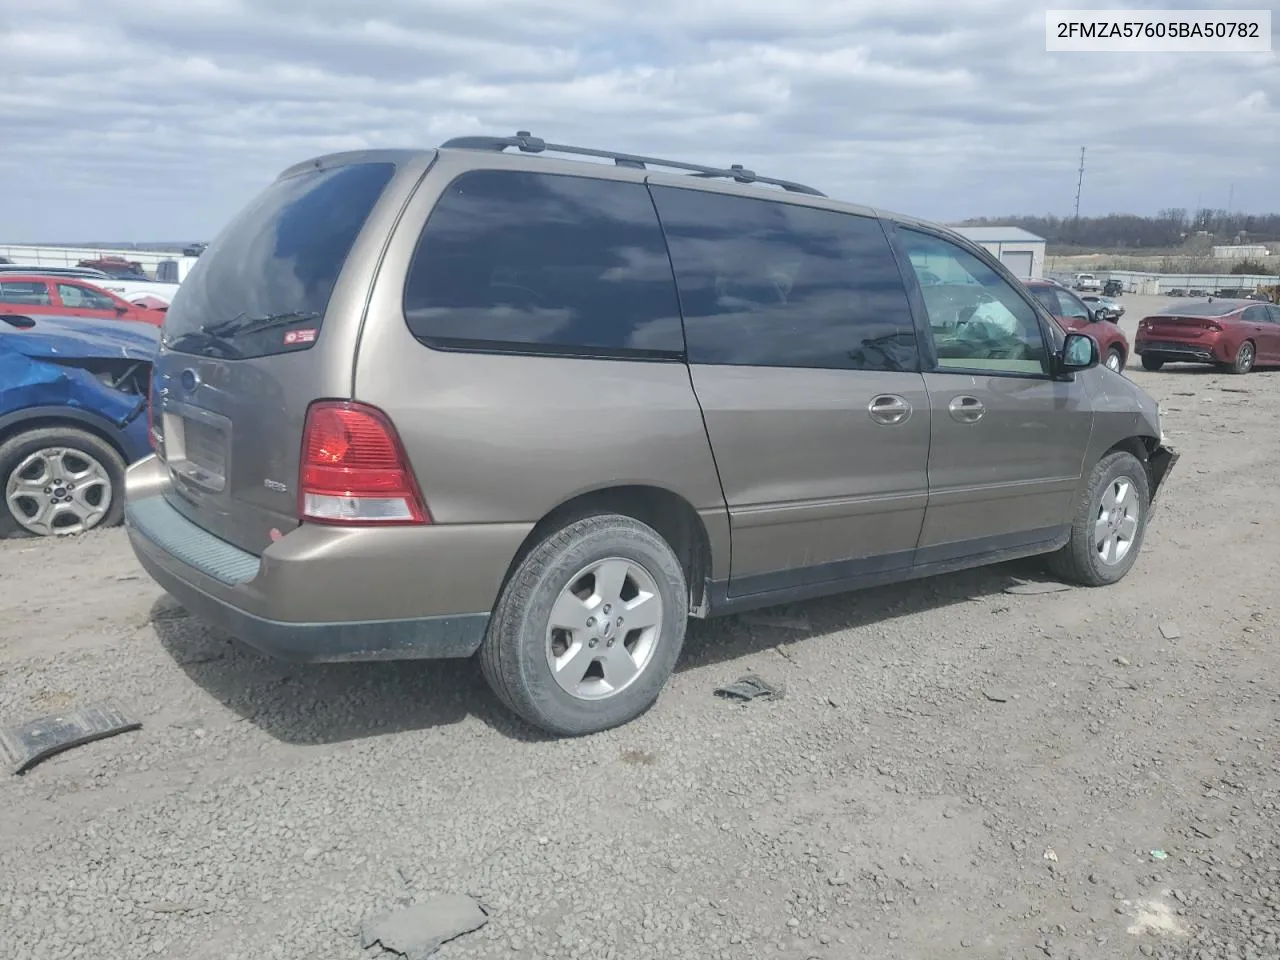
(966, 409)
(889, 409)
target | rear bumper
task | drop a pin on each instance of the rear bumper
(1172, 350)
(327, 594)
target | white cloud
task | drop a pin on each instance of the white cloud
(136, 119)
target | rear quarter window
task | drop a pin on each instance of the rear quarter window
(26, 292)
(544, 263)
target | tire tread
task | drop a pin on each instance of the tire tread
(499, 653)
(1074, 563)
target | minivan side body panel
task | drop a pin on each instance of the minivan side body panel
(500, 437)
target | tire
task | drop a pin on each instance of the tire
(1244, 360)
(517, 652)
(84, 458)
(1152, 363)
(1080, 561)
(1115, 360)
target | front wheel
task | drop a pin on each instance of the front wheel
(1152, 363)
(58, 481)
(588, 627)
(1115, 360)
(1109, 523)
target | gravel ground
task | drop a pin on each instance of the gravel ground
(954, 772)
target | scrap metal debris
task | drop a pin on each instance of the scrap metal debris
(1170, 631)
(418, 931)
(1029, 588)
(26, 744)
(750, 688)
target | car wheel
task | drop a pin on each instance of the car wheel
(1115, 360)
(58, 481)
(1245, 356)
(588, 627)
(1152, 363)
(1109, 523)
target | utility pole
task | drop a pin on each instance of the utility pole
(1079, 184)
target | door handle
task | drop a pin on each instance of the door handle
(966, 409)
(889, 409)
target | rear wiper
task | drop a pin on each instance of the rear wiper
(243, 323)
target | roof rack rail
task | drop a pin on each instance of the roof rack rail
(525, 142)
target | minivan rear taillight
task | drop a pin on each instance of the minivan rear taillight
(354, 469)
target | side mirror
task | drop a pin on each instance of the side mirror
(1079, 352)
(121, 309)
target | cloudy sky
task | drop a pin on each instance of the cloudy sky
(156, 119)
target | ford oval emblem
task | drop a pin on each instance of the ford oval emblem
(189, 380)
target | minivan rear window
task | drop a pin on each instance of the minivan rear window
(279, 258)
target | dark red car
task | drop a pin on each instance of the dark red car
(1073, 314)
(37, 295)
(1231, 334)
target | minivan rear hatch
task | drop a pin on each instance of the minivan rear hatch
(254, 334)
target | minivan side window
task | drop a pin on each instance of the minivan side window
(546, 263)
(775, 284)
(979, 321)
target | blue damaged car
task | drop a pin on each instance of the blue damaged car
(73, 415)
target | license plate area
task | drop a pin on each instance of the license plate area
(197, 445)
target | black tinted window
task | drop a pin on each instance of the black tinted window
(764, 283)
(281, 254)
(1255, 314)
(555, 263)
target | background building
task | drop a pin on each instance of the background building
(1240, 251)
(1020, 250)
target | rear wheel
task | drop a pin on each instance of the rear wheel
(1243, 361)
(1115, 360)
(58, 481)
(1152, 363)
(589, 626)
(1109, 525)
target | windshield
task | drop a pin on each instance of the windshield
(280, 257)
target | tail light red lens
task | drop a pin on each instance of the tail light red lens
(354, 469)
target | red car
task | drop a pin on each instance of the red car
(1072, 314)
(1231, 334)
(37, 295)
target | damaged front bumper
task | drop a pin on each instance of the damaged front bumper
(1159, 464)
